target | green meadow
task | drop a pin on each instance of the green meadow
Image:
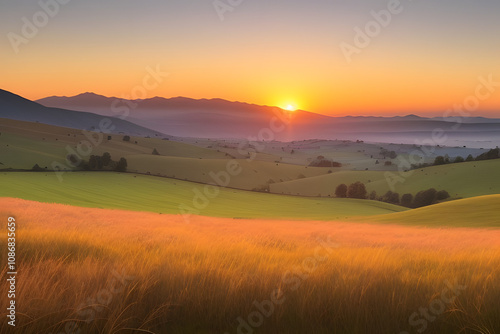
(461, 180)
(163, 195)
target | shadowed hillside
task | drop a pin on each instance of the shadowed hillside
(15, 107)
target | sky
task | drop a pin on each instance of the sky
(333, 57)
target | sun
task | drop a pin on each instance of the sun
(290, 107)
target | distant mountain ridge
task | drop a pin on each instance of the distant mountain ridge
(221, 119)
(102, 104)
(88, 100)
(15, 107)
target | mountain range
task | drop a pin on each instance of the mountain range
(218, 118)
(15, 107)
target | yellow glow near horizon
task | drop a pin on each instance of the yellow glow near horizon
(290, 107)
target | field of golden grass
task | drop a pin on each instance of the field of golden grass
(84, 270)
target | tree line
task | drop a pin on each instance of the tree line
(494, 153)
(358, 190)
(102, 162)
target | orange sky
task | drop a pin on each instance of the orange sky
(292, 57)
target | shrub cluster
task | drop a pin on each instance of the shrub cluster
(321, 161)
(104, 162)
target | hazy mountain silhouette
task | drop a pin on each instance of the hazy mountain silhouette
(218, 118)
(15, 107)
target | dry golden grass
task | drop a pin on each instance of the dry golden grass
(200, 277)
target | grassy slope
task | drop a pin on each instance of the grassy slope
(147, 193)
(482, 211)
(253, 174)
(22, 144)
(467, 179)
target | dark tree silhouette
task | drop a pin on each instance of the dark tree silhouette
(36, 168)
(121, 166)
(491, 154)
(442, 194)
(439, 160)
(99, 162)
(92, 162)
(425, 197)
(356, 190)
(341, 191)
(106, 159)
(391, 197)
(406, 200)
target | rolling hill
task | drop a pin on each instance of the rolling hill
(481, 211)
(23, 144)
(466, 179)
(252, 175)
(148, 193)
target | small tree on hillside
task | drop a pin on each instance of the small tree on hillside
(92, 162)
(37, 168)
(469, 158)
(126, 138)
(442, 195)
(98, 159)
(356, 190)
(425, 197)
(440, 160)
(121, 166)
(387, 197)
(106, 159)
(391, 197)
(406, 200)
(341, 191)
(155, 152)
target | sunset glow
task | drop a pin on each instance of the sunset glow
(231, 166)
(209, 58)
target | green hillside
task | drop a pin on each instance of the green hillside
(148, 193)
(482, 211)
(24, 144)
(468, 179)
